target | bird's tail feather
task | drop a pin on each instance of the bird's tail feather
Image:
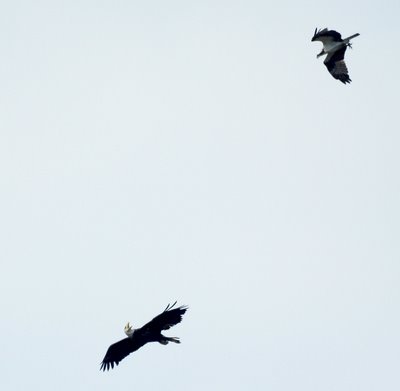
(351, 37)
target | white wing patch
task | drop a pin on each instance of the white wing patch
(328, 42)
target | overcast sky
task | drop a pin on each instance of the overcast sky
(154, 151)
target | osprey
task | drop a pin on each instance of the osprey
(150, 332)
(335, 48)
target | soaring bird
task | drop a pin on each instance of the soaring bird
(150, 332)
(335, 48)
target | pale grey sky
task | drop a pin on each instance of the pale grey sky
(198, 151)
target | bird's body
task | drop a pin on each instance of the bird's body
(150, 332)
(335, 48)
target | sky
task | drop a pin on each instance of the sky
(198, 151)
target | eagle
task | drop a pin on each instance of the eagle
(150, 332)
(335, 48)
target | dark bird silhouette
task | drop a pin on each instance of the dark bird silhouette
(335, 48)
(150, 332)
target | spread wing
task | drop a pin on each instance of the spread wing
(336, 65)
(118, 351)
(168, 318)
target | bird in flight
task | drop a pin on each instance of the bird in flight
(150, 332)
(335, 48)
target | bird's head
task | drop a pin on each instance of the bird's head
(128, 330)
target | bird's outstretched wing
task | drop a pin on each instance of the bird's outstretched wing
(168, 318)
(337, 67)
(118, 351)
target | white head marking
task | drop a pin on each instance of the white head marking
(128, 330)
